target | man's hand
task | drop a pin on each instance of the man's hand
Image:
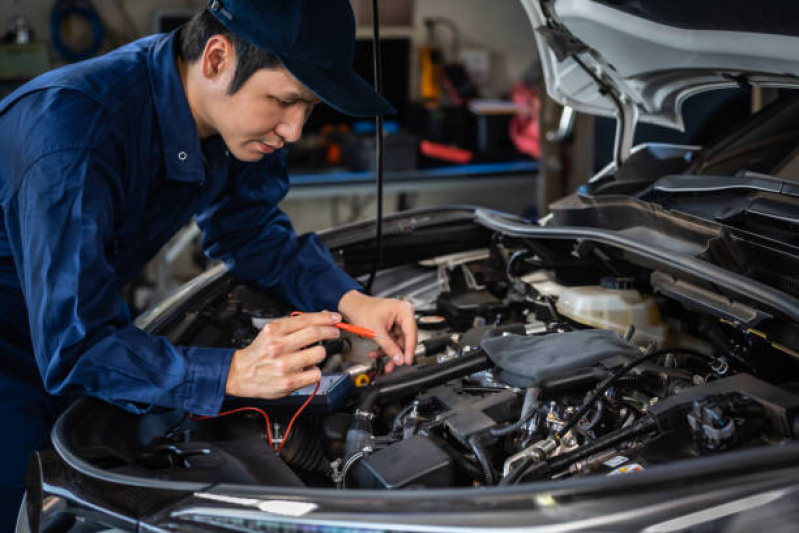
(282, 359)
(391, 319)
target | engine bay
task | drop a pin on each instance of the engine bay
(532, 365)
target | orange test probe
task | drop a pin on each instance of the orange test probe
(362, 332)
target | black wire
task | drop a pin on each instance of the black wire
(489, 476)
(600, 390)
(518, 254)
(378, 84)
(527, 468)
(510, 428)
(605, 385)
(480, 389)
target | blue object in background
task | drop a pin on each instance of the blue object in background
(365, 127)
(65, 9)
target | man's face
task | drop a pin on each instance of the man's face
(267, 112)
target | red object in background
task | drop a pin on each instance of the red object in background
(525, 129)
(445, 153)
(331, 143)
(457, 84)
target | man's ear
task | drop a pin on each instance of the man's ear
(219, 57)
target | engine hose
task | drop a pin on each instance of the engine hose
(404, 385)
(510, 428)
(466, 465)
(539, 470)
(529, 409)
(651, 353)
(348, 464)
(396, 426)
(304, 450)
(476, 444)
(579, 379)
(631, 379)
(599, 408)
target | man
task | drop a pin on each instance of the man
(104, 160)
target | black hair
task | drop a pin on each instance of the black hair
(249, 58)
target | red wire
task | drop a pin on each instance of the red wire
(240, 409)
(266, 418)
(288, 429)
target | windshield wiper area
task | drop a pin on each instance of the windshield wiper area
(760, 203)
(743, 181)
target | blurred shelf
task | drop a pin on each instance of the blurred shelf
(304, 185)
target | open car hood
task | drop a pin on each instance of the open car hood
(640, 59)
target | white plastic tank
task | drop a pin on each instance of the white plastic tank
(615, 305)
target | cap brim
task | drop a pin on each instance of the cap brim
(343, 90)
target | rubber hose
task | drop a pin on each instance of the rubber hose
(599, 407)
(396, 426)
(304, 450)
(510, 428)
(579, 379)
(392, 389)
(466, 465)
(651, 353)
(480, 453)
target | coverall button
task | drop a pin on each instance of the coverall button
(182, 156)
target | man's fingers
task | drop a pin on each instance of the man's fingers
(390, 348)
(405, 331)
(302, 359)
(309, 335)
(410, 336)
(276, 331)
(304, 320)
(303, 379)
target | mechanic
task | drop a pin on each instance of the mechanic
(104, 160)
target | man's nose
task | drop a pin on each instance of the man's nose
(290, 128)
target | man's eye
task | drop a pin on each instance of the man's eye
(281, 102)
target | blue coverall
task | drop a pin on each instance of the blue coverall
(100, 163)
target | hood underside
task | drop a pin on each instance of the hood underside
(605, 57)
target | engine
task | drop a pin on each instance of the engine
(526, 370)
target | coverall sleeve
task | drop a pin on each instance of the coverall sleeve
(60, 224)
(244, 228)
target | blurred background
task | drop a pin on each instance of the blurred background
(473, 125)
(463, 75)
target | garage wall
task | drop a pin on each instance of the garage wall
(500, 26)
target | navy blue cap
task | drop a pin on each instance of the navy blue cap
(315, 41)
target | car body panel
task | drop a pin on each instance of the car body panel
(651, 66)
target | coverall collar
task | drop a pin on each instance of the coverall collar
(183, 156)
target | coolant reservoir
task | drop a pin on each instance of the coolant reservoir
(614, 305)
